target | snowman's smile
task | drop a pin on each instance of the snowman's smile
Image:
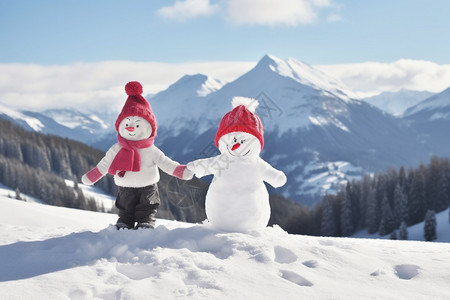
(132, 134)
(231, 153)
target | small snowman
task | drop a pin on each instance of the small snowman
(237, 199)
(134, 163)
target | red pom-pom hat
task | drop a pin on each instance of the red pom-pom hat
(241, 119)
(136, 105)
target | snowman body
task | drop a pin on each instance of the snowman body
(237, 199)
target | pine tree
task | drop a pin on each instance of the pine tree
(403, 231)
(365, 185)
(327, 225)
(353, 192)
(18, 195)
(380, 190)
(402, 177)
(371, 222)
(400, 205)
(442, 194)
(346, 215)
(393, 235)
(387, 221)
(430, 226)
(417, 198)
(432, 184)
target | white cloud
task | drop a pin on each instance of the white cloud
(271, 12)
(188, 9)
(91, 86)
(334, 18)
(254, 12)
(374, 77)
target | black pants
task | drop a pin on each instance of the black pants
(137, 204)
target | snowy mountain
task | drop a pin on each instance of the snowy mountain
(431, 119)
(49, 252)
(396, 103)
(76, 120)
(314, 130)
(192, 86)
(436, 107)
(67, 122)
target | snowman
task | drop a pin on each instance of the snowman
(237, 199)
(134, 161)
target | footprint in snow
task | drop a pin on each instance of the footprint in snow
(295, 278)
(311, 263)
(406, 272)
(284, 255)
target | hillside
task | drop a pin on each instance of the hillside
(45, 167)
(430, 118)
(58, 253)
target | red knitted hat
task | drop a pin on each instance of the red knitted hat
(243, 119)
(136, 105)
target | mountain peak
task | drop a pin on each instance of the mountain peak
(196, 85)
(190, 80)
(303, 73)
(269, 60)
(199, 84)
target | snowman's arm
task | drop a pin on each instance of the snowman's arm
(171, 167)
(102, 167)
(274, 177)
(203, 167)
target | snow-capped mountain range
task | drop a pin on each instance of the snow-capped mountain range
(431, 120)
(69, 123)
(396, 103)
(315, 130)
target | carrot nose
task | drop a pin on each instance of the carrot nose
(131, 129)
(235, 146)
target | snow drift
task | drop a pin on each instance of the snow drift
(59, 253)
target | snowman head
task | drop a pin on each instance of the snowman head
(240, 131)
(136, 121)
(239, 144)
(134, 128)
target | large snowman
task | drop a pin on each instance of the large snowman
(134, 163)
(237, 199)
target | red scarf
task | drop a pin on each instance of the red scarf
(128, 157)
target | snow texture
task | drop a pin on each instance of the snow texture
(58, 253)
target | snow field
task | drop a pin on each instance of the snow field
(57, 253)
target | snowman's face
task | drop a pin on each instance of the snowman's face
(135, 128)
(239, 144)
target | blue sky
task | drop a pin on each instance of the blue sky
(315, 31)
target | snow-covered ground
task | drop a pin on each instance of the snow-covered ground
(51, 252)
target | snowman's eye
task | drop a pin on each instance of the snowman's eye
(126, 125)
(137, 126)
(234, 140)
(242, 141)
